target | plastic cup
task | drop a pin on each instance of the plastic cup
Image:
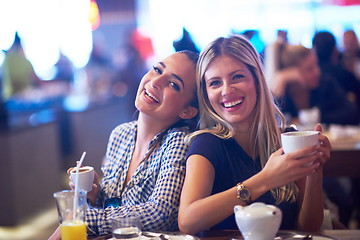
(72, 223)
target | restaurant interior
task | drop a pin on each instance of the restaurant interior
(87, 58)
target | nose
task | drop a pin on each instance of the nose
(158, 82)
(227, 89)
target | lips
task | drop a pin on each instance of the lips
(151, 96)
(231, 104)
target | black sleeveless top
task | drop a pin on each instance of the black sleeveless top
(233, 165)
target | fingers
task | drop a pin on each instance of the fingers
(95, 187)
(69, 170)
(325, 148)
(309, 160)
(314, 167)
(325, 151)
(305, 157)
(325, 142)
(318, 127)
(71, 185)
(293, 166)
(279, 152)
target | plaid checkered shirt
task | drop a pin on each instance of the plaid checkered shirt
(154, 189)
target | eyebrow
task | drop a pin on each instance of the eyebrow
(173, 74)
(241, 71)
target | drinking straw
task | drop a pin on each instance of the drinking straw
(79, 163)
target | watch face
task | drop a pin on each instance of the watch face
(244, 194)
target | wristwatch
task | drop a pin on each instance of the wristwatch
(243, 193)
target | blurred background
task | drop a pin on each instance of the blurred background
(69, 72)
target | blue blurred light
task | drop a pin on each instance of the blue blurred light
(76, 103)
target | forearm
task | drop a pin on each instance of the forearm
(211, 210)
(158, 211)
(155, 216)
(207, 212)
(312, 207)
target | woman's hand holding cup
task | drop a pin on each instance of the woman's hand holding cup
(293, 141)
(325, 146)
(88, 181)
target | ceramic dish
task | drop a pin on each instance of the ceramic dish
(164, 236)
(283, 235)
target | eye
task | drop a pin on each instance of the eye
(158, 70)
(214, 83)
(174, 85)
(238, 76)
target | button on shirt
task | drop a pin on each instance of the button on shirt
(154, 189)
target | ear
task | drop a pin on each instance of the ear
(188, 113)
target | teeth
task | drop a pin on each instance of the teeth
(232, 104)
(154, 98)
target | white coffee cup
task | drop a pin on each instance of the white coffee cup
(85, 177)
(292, 141)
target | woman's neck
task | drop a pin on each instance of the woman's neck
(242, 137)
(147, 129)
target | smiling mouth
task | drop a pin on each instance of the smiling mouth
(233, 104)
(151, 96)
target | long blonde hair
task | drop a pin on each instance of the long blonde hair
(265, 132)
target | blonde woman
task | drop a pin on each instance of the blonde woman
(236, 158)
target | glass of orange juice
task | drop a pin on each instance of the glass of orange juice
(71, 208)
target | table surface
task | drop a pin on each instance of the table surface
(235, 234)
(345, 142)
